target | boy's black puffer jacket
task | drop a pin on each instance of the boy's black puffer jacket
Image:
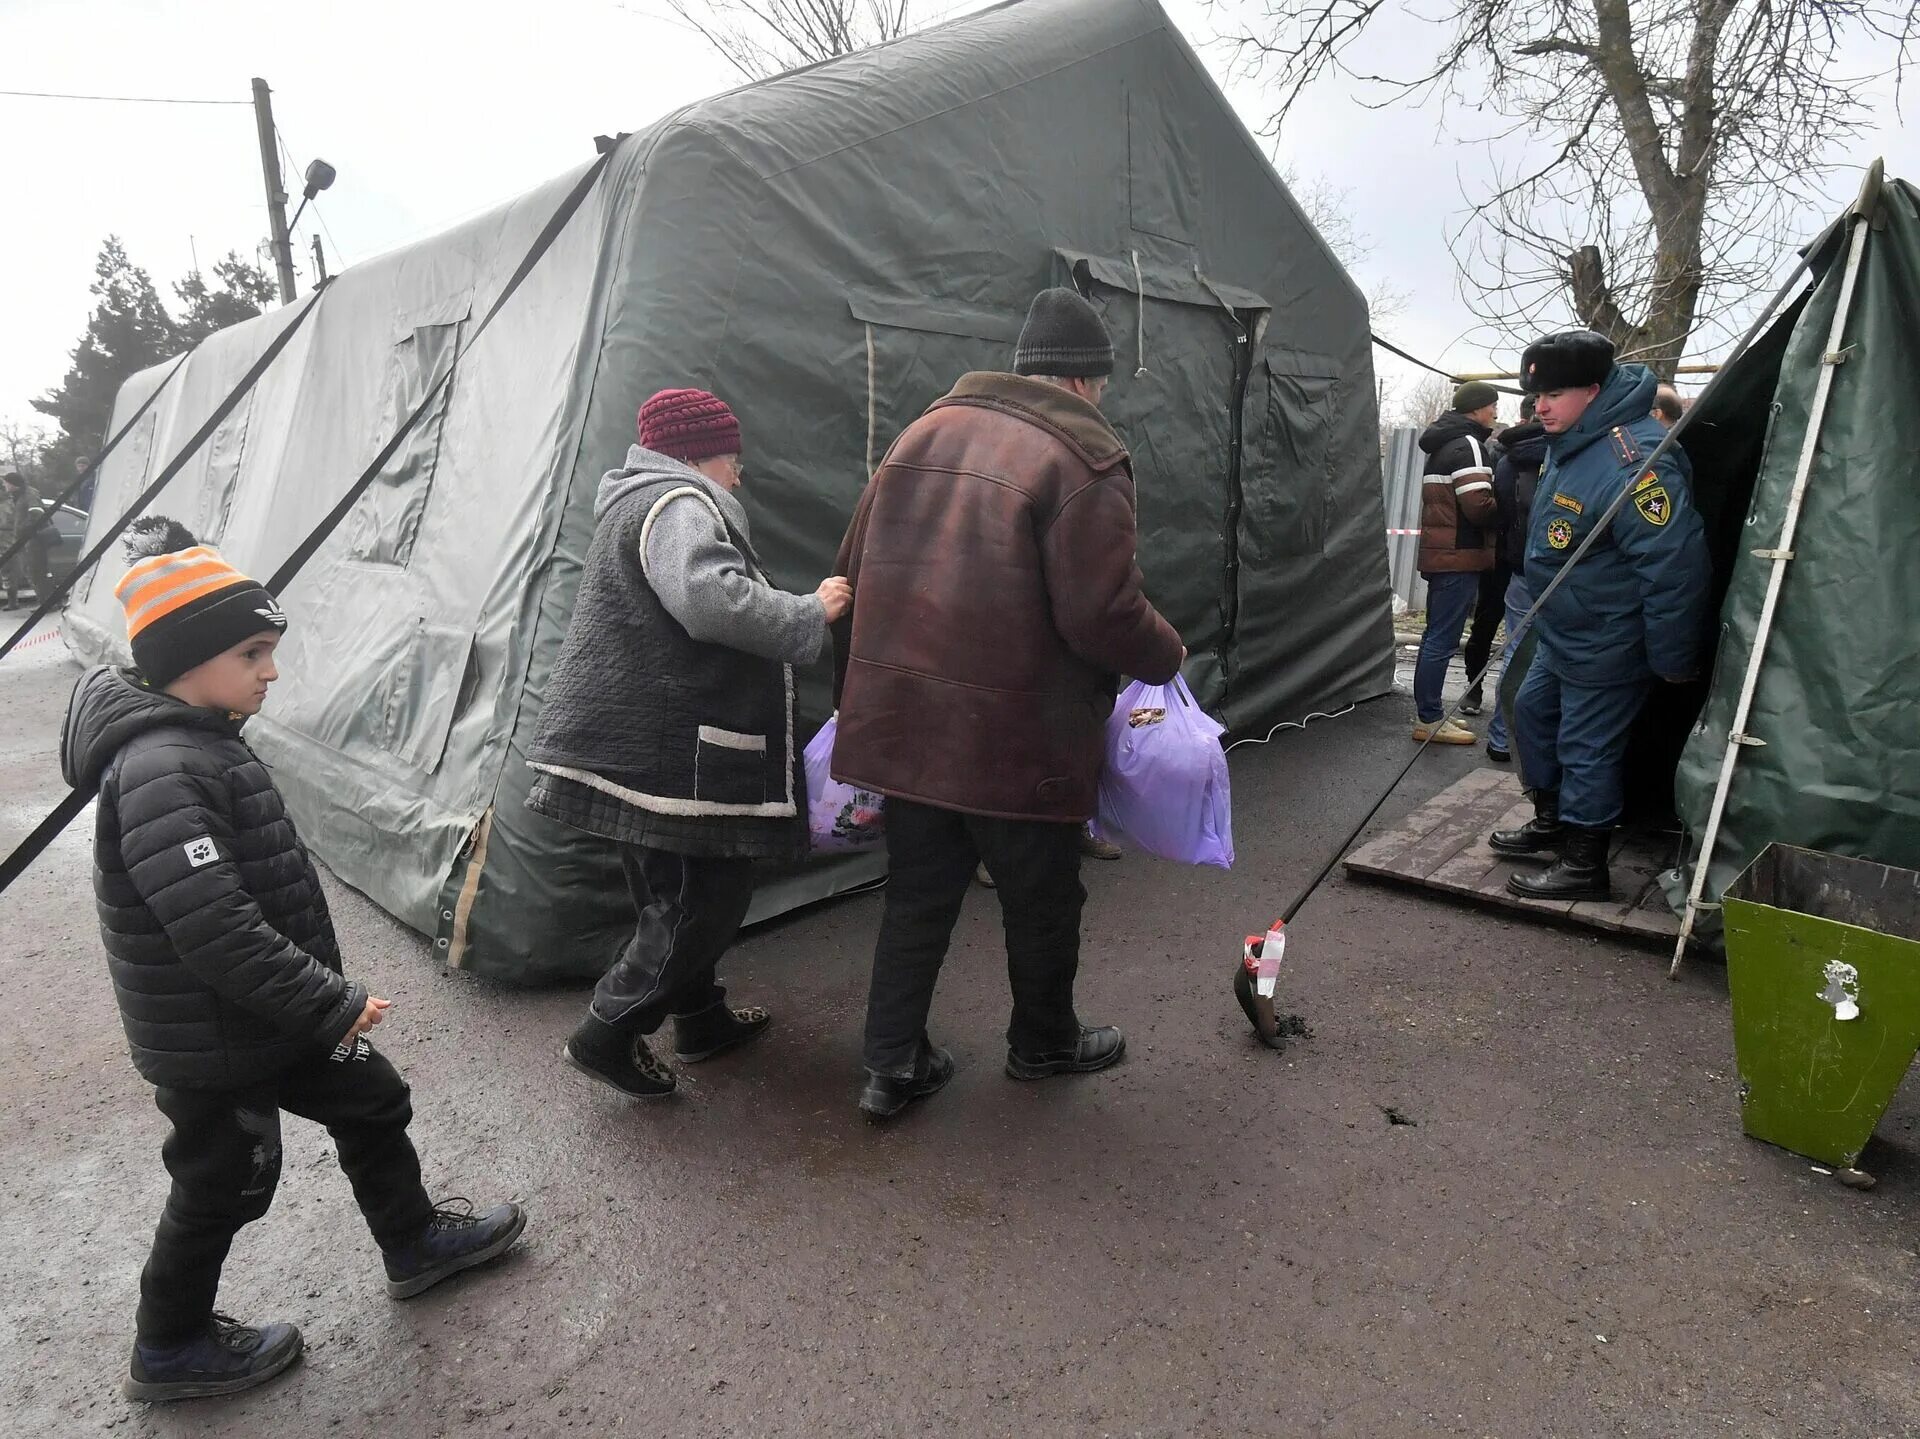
(218, 939)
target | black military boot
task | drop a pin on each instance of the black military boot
(1579, 873)
(1540, 835)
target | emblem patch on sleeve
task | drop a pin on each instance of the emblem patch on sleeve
(200, 851)
(1655, 505)
(1559, 533)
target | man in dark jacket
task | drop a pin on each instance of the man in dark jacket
(1523, 450)
(996, 600)
(23, 515)
(227, 972)
(1457, 532)
(1630, 612)
(668, 728)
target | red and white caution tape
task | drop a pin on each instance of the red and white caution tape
(1403, 532)
(39, 639)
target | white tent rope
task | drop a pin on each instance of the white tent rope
(1140, 317)
(872, 410)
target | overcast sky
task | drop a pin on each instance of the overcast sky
(432, 110)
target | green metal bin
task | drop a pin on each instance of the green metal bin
(1823, 962)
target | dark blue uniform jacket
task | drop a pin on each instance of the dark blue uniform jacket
(1637, 602)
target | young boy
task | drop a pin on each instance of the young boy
(227, 972)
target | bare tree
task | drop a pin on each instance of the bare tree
(768, 37)
(1678, 143)
(20, 447)
(1425, 400)
(1329, 209)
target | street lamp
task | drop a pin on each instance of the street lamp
(320, 176)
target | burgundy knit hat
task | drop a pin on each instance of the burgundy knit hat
(689, 425)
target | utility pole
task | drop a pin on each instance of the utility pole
(319, 264)
(276, 188)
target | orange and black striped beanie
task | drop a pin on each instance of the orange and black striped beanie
(185, 604)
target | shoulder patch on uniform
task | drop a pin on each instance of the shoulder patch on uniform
(1655, 505)
(1568, 502)
(1625, 448)
(1646, 481)
(200, 851)
(1559, 532)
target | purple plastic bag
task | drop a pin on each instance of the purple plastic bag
(1164, 788)
(840, 818)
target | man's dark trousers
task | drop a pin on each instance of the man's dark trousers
(224, 1156)
(690, 910)
(1489, 608)
(931, 854)
(1573, 740)
(1450, 600)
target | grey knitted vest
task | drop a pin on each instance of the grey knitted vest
(681, 727)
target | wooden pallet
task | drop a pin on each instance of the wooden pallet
(1442, 847)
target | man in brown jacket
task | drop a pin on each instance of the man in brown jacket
(996, 601)
(1459, 533)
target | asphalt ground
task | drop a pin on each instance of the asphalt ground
(1500, 1190)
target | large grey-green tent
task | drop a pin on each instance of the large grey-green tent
(829, 251)
(1835, 708)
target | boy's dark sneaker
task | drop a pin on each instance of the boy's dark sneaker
(886, 1095)
(1096, 1050)
(715, 1030)
(455, 1238)
(227, 1358)
(618, 1059)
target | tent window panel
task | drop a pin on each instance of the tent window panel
(1287, 484)
(224, 452)
(1162, 166)
(386, 522)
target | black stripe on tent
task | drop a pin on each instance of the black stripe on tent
(30, 848)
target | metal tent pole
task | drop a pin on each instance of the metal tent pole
(1779, 556)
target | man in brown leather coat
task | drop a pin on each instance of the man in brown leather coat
(996, 603)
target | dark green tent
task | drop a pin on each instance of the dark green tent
(1830, 754)
(829, 251)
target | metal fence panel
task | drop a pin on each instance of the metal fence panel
(1400, 467)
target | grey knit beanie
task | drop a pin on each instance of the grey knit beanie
(1064, 336)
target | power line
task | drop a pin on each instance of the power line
(117, 99)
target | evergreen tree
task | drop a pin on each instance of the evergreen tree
(129, 330)
(244, 291)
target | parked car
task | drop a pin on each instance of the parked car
(70, 533)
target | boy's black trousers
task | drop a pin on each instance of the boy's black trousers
(224, 1156)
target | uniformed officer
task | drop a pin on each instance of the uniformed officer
(1632, 610)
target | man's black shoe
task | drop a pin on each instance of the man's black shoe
(715, 1030)
(1580, 872)
(1540, 835)
(618, 1059)
(225, 1359)
(886, 1095)
(455, 1238)
(1096, 1050)
(1498, 755)
(1473, 702)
